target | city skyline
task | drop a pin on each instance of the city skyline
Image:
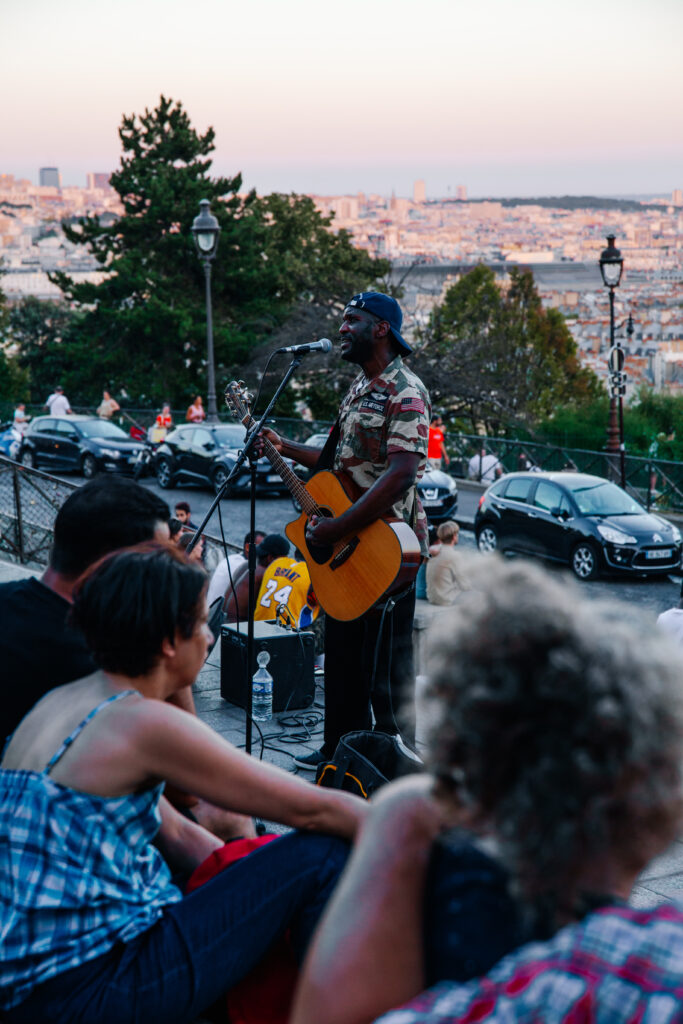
(508, 100)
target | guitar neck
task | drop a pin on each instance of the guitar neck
(295, 486)
(289, 478)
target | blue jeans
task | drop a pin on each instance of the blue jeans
(202, 945)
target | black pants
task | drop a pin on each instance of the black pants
(351, 690)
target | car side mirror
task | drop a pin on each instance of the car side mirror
(559, 513)
(209, 445)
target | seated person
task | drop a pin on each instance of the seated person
(445, 578)
(273, 546)
(94, 928)
(286, 594)
(557, 740)
(226, 571)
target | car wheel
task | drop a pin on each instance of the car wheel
(584, 561)
(220, 475)
(164, 474)
(89, 467)
(487, 539)
(28, 458)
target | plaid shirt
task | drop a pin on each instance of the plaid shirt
(78, 874)
(617, 966)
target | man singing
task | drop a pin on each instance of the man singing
(380, 442)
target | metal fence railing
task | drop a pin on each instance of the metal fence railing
(29, 503)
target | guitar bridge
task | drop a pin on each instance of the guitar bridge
(345, 553)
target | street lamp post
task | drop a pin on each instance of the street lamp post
(611, 266)
(205, 230)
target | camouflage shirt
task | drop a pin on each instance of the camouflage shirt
(378, 417)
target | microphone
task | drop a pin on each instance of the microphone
(324, 345)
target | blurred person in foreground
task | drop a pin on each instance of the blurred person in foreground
(556, 743)
(94, 928)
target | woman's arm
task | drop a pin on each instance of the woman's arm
(171, 745)
(368, 947)
(183, 844)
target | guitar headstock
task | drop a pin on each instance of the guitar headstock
(238, 401)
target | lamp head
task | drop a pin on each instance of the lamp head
(205, 230)
(611, 264)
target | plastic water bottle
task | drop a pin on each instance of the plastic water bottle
(262, 690)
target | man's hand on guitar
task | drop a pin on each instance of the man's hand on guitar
(267, 434)
(321, 531)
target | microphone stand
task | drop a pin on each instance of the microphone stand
(245, 453)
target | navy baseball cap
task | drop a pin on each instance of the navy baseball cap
(385, 308)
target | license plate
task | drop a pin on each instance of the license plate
(659, 553)
(430, 502)
(273, 478)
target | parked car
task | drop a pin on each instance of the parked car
(206, 454)
(83, 444)
(439, 495)
(584, 521)
(10, 440)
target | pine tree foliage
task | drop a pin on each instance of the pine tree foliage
(144, 326)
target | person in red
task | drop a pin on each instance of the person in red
(436, 446)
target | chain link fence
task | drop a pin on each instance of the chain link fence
(29, 502)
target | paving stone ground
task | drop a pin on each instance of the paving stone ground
(300, 731)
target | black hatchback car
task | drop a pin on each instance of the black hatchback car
(84, 444)
(584, 521)
(206, 454)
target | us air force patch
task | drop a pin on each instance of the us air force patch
(376, 401)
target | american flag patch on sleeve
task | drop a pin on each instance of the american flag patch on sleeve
(412, 404)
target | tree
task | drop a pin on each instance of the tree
(14, 381)
(144, 325)
(39, 332)
(498, 357)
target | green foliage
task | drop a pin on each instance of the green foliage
(498, 357)
(649, 418)
(40, 332)
(14, 380)
(144, 326)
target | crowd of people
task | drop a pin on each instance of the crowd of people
(491, 886)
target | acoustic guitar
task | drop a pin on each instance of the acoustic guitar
(352, 575)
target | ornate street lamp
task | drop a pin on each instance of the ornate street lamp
(611, 265)
(205, 230)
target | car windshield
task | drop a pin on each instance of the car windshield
(230, 436)
(101, 428)
(604, 499)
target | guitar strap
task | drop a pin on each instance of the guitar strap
(326, 457)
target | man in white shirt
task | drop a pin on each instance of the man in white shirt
(484, 467)
(227, 569)
(58, 403)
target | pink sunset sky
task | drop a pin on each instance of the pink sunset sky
(529, 97)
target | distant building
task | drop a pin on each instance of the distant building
(419, 191)
(50, 177)
(98, 180)
(677, 197)
(461, 192)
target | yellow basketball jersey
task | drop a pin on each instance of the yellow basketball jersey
(286, 585)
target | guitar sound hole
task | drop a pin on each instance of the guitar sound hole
(321, 553)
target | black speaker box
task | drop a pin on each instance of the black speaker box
(291, 664)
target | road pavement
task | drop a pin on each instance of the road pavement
(273, 513)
